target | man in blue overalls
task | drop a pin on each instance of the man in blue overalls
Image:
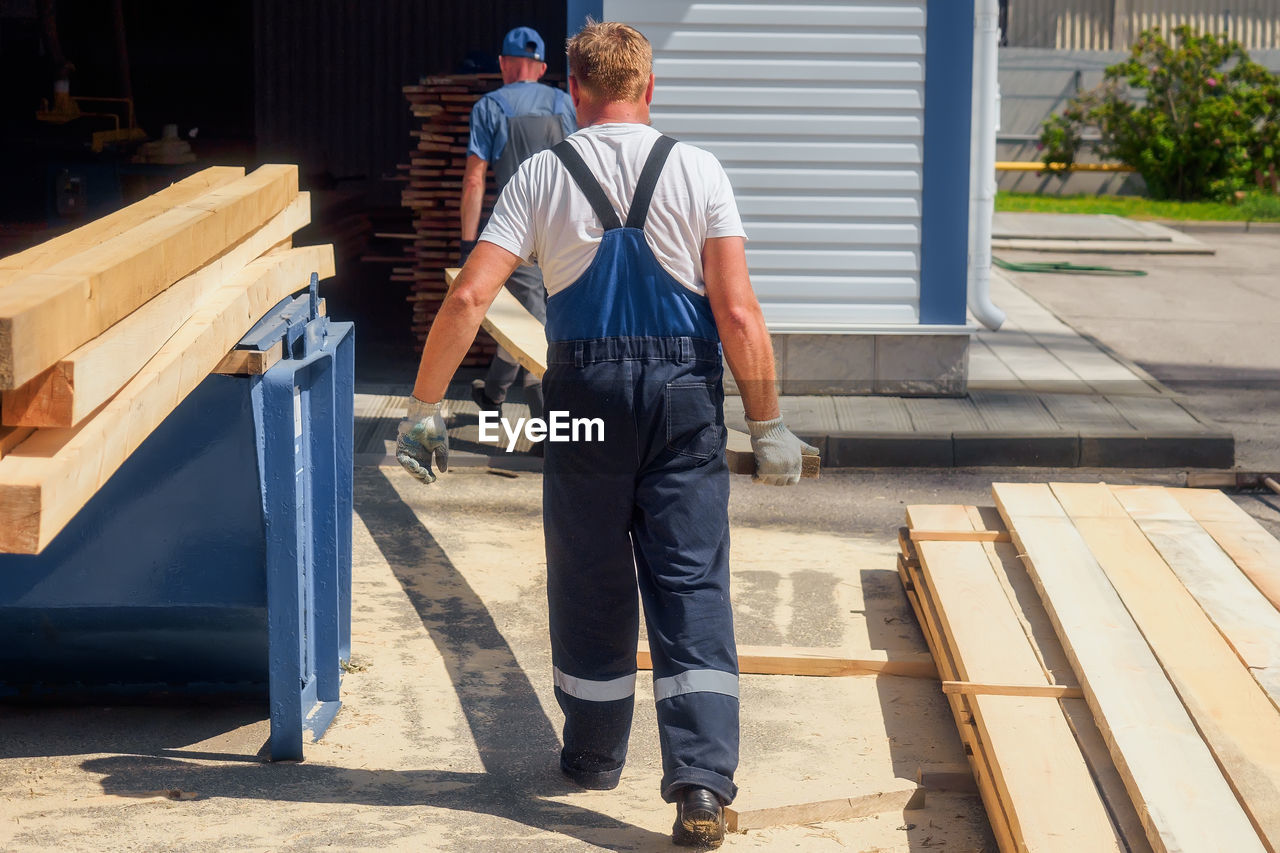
(508, 126)
(642, 249)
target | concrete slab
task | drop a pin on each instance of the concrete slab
(449, 731)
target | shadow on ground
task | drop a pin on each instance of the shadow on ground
(517, 743)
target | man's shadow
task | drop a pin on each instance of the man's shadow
(516, 741)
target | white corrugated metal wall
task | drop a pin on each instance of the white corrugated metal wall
(816, 110)
(1112, 24)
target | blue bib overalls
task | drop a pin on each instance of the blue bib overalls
(630, 345)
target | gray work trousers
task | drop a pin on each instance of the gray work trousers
(526, 286)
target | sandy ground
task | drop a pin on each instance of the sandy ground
(448, 735)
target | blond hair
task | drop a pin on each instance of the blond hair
(612, 61)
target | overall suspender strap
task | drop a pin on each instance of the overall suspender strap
(648, 180)
(588, 184)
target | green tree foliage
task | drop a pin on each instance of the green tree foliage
(1193, 115)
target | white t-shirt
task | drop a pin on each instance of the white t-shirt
(544, 218)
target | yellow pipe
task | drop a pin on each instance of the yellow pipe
(1017, 166)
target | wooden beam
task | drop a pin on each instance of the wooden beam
(1043, 691)
(1250, 623)
(46, 480)
(59, 248)
(1247, 543)
(521, 335)
(746, 813)
(1237, 720)
(11, 437)
(79, 383)
(250, 362)
(767, 660)
(1172, 778)
(45, 315)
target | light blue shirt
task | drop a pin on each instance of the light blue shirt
(524, 98)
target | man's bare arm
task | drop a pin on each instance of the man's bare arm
(472, 196)
(740, 321)
(459, 318)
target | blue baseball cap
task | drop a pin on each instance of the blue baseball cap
(524, 41)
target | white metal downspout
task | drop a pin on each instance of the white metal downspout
(982, 171)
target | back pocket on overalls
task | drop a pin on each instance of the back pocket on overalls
(695, 421)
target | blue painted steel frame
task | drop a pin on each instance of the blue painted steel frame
(948, 107)
(244, 576)
(307, 502)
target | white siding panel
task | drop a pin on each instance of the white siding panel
(828, 209)
(816, 110)
(833, 288)
(797, 152)
(809, 70)
(827, 180)
(805, 125)
(798, 258)
(839, 14)
(791, 97)
(749, 43)
(830, 234)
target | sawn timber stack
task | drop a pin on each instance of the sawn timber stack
(106, 329)
(1158, 606)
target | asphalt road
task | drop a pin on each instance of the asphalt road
(1208, 326)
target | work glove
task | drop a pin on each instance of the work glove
(777, 452)
(465, 248)
(423, 438)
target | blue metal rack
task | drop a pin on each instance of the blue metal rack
(218, 557)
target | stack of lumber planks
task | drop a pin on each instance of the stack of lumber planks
(105, 330)
(1111, 655)
(441, 108)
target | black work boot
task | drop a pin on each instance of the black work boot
(699, 818)
(483, 400)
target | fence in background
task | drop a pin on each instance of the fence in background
(1113, 24)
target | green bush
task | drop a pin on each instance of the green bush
(1193, 115)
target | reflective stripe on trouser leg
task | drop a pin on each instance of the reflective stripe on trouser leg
(595, 691)
(696, 681)
(591, 586)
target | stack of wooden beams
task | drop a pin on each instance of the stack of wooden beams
(441, 108)
(106, 329)
(1112, 658)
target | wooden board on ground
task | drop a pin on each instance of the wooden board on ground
(1245, 617)
(1029, 744)
(1235, 717)
(520, 334)
(52, 474)
(762, 660)
(45, 315)
(961, 708)
(745, 814)
(1152, 739)
(80, 382)
(1246, 542)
